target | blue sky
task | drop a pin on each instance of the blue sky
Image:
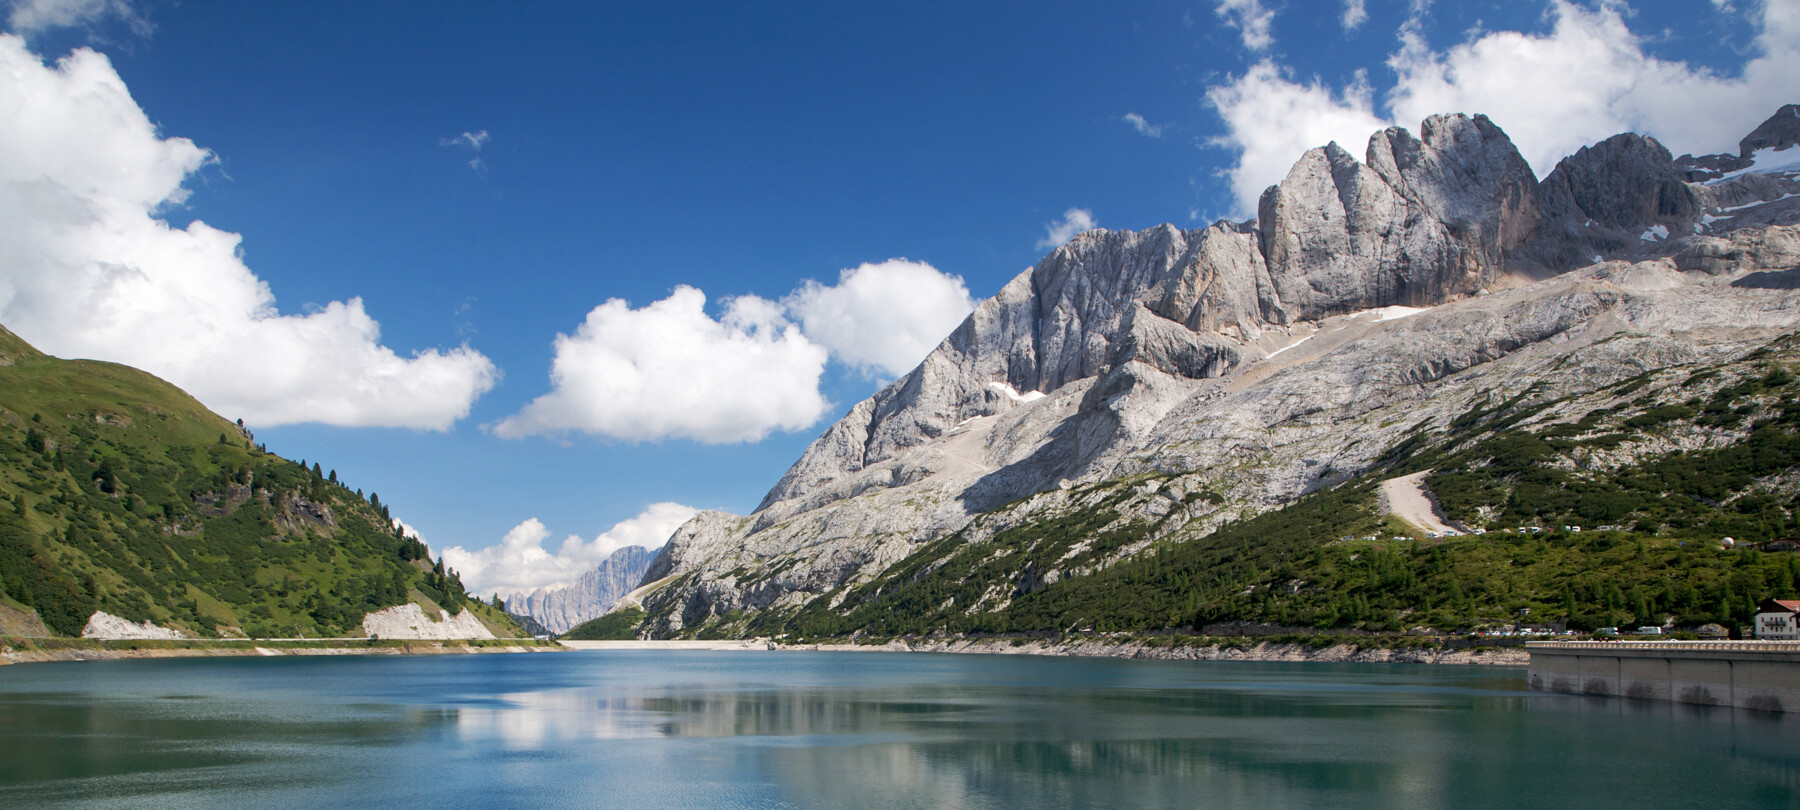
(484, 177)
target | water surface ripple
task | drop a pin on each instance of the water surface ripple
(731, 729)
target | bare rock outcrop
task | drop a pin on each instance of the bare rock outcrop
(1611, 198)
(298, 514)
(106, 625)
(1779, 132)
(1423, 220)
(408, 621)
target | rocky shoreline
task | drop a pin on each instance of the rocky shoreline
(21, 651)
(1262, 651)
(34, 650)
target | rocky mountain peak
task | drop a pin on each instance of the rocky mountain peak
(1420, 221)
(1625, 183)
(558, 609)
(1245, 363)
(1779, 132)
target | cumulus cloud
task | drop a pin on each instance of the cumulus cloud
(1356, 12)
(1270, 120)
(1143, 127)
(882, 318)
(1252, 20)
(1589, 79)
(1586, 79)
(35, 16)
(1059, 232)
(88, 269)
(669, 370)
(521, 564)
(470, 140)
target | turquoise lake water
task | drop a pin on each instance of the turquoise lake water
(654, 729)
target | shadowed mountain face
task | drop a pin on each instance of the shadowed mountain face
(1258, 361)
(562, 608)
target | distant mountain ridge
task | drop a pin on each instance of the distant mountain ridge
(1246, 364)
(559, 609)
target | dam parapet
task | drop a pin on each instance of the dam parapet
(1761, 675)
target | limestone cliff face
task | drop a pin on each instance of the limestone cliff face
(1105, 298)
(1604, 199)
(559, 609)
(1255, 361)
(1422, 221)
(1426, 220)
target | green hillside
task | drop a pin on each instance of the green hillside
(619, 626)
(121, 493)
(1604, 509)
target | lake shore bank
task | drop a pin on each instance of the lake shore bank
(1259, 651)
(1222, 650)
(27, 650)
(18, 650)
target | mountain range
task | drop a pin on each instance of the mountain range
(559, 609)
(1138, 395)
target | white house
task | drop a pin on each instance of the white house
(1778, 620)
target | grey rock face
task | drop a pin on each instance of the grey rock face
(560, 609)
(1346, 240)
(1055, 324)
(1709, 167)
(1468, 175)
(1780, 131)
(1425, 220)
(1760, 249)
(1238, 360)
(1601, 200)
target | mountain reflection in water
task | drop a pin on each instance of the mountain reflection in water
(792, 729)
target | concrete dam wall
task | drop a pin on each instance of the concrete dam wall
(1762, 675)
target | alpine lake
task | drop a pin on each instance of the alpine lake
(781, 729)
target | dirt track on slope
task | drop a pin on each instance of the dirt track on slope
(1406, 498)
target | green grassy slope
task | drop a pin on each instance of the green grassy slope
(119, 492)
(620, 626)
(1655, 470)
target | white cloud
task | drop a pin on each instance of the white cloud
(1589, 79)
(1251, 19)
(474, 140)
(471, 140)
(1586, 79)
(35, 16)
(1059, 232)
(88, 270)
(882, 317)
(1356, 12)
(521, 564)
(670, 370)
(1271, 120)
(1143, 127)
